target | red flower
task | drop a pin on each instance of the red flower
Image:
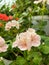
(4, 17)
(10, 17)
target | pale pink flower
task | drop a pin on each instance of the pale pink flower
(8, 26)
(3, 46)
(25, 40)
(14, 22)
(16, 41)
(11, 24)
(37, 2)
(31, 31)
(22, 42)
(35, 38)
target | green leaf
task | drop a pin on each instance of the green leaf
(2, 63)
(2, 54)
(19, 61)
(34, 57)
(37, 60)
(44, 49)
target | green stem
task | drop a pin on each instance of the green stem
(43, 7)
(14, 53)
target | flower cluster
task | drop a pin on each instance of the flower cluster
(4, 17)
(3, 46)
(12, 23)
(25, 40)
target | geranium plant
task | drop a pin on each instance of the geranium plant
(22, 40)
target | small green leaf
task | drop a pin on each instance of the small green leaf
(44, 49)
(37, 60)
(20, 61)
